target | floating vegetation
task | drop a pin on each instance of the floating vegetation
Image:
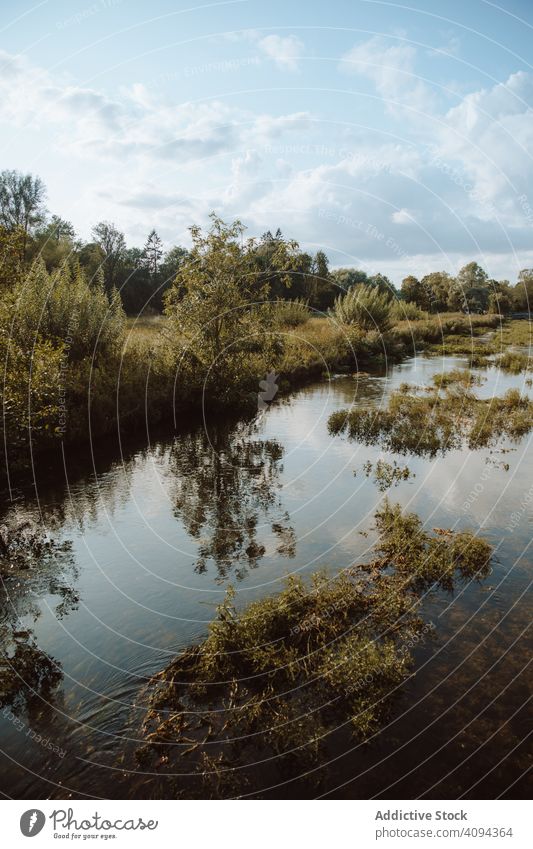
(515, 362)
(461, 377)
(258, 699)
(387, 474)
(440, 420)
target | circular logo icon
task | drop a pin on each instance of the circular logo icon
(32, 822)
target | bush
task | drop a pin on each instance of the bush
(64, 308)
(407, 311)
(364, 306)
(289, 313)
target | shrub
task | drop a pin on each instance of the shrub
(364, 306)
(407, 311)
(290, 313)
(64, 308)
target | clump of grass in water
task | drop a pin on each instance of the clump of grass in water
(515, 362)
(258, 699)
(440, 420)
(387, 474)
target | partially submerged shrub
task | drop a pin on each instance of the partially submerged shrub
(515, 362)
(438, 421)
(387, 474)
(259, 697)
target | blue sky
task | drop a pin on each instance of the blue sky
(396, 137)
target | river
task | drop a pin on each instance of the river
(159, 532)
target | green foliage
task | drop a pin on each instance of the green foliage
(289, 313)
(11, 252)
(364, 306)
(407, 311)
(448, 417)
(63, 308)
(387, 474)
(216, 307)
(279, 676)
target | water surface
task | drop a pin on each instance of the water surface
(159, 533)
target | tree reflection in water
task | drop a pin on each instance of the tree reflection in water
(227, 494)
(32, 565)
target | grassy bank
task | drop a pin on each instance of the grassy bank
(127, 374)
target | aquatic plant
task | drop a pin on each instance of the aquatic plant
(387, 474)
(261, 695)
(438, 421)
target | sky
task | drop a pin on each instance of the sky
(397, 137)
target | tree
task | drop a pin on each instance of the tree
(472, 276)
(471, 291)
(344, 278)
(11, 242)
(438, 284)
(383, 285)
(53, 241)
(153, 251)
(523, 291)
(501, 297)
(414, 292)
(216, 306)
(21, 203)
(59, 228)
(113, 246)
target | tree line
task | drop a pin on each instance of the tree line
(143, 275)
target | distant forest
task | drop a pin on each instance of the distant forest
(142, 275)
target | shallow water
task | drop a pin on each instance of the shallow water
(159, 534)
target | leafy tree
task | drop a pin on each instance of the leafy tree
(501, 297)
(91, 258)
(523, 291)
(54, 242)
(470, 291)
(11, 250)
(215, 304)
(415, 292)
(344, 278)
(438, 285)
(21, 203)
(172, 262)
(472, 276)
(113, 246)
(383, 285)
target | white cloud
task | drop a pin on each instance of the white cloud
(284, 51)
(391, 67)
(402, 216)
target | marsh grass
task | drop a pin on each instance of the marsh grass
(259, 698)
(387, 474)
(515, 362)
(447, 416)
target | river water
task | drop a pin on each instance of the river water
(158, 534)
